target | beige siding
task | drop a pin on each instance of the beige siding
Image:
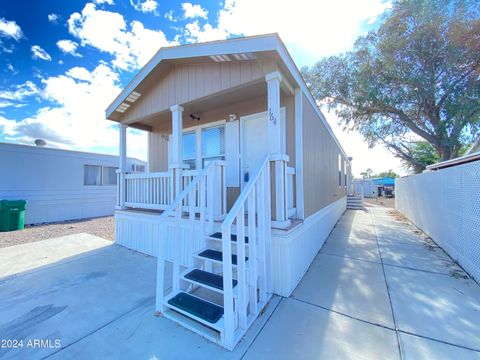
(157, 151)
(289, 103)
(184, 83)
(320, 163)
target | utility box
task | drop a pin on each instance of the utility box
(12, 215)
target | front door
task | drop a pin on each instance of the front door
(254, 143)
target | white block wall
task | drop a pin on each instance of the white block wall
(445, 204)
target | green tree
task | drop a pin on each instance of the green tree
(367, 174)
(415, 78)
(421, 155)
(389, 173)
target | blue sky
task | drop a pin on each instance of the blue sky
(63, 62)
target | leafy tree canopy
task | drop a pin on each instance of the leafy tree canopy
(414, 79)
(368, 174)
(421, 155)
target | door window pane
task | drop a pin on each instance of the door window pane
(109, 175)
(92, 175)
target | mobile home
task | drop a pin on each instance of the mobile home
(60, 184)
(246, 179)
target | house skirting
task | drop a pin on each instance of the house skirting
(292, 251)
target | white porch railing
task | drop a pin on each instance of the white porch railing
(254, 288)
(291, 178)
(155, 190)
(148, 190)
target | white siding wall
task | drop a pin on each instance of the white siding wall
(445, 204)
(51, 181)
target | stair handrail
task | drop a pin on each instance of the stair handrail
(247, 196)
(183, 195)
(175, 211)
(232, 214)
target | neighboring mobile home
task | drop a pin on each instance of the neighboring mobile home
(60, 184)
(238, 150)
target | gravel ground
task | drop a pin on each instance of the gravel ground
(103, 227)
(387, 202)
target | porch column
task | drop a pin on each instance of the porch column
(122, 167)
(176, 164)
(278, 159)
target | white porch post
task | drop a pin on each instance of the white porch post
(274, 144)
(176, 164)
(122, 167)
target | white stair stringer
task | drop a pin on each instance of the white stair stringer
(224, 286)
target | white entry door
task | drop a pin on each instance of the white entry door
(255, 141)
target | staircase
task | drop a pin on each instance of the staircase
(222, 286)
(355, 202)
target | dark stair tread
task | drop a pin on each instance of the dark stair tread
(233, 237)
(207, 278)
(217, 255)
(198, 307)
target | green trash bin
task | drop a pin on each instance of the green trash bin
(12, 215)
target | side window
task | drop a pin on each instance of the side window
(109, 175)
(92, 175)
(99, 175)
(339, 170)
(213, 144)
(189, 145)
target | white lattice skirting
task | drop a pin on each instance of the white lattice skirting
(445, 204)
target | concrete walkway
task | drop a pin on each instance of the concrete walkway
(376, 290)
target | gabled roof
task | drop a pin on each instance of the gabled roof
(240, 45)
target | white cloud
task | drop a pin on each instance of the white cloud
(9, 28)
(169, 16)
(194, 11)
(194, 32)
(53, 18)
(145, 6)
(109, 2)
(78, 119)
(68, 47)
(131, 46)
(311, 29)
(12, 69)
(39, 53)
(378, 158)
(20, 92)
(80, 73)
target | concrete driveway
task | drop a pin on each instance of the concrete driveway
(376, 290)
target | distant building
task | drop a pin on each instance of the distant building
(60, 184)
(375, 187)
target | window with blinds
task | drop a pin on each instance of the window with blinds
(213, 144)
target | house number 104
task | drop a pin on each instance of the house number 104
(273, 119)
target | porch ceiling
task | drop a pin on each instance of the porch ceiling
(211, 103)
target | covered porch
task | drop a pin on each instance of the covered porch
(235, 128)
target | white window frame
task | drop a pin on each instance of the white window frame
(198, 139)
(339, 171)
(101, 175)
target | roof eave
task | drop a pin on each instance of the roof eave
(267, 42)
